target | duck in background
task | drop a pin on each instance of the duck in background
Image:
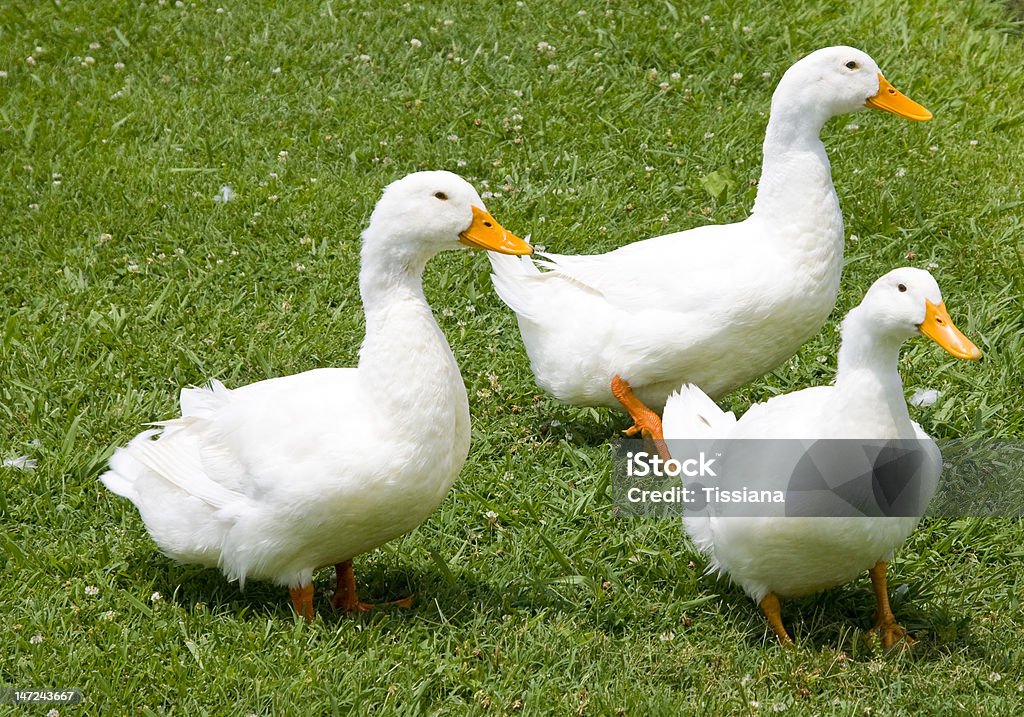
(717, 305)
(278, 478)
(777, 557)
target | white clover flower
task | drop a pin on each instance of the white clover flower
(3, 74)
(901, 172)
(118, 65)
(35, 639)
(94, 46)
(92, 590)
(156, 596)
(416, 43)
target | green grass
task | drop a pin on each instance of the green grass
(121, 280)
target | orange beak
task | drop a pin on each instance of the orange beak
(486, 233)
(892, 100)
(939, 328)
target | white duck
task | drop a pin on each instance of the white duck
(717, 305)
(278, 478)
(789, 556)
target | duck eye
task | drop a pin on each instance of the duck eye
(902, 287)
(851, 65)
(441, 195)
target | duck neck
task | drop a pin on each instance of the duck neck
(868, 374)
(402, 337)
(795, 189)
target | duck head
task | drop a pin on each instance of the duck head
(427, 212)
(838, 80)
(906, 302)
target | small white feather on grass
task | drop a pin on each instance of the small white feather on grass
(924, 397)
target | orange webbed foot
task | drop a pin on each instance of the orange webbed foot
(347, 600)
(886, 629)
(302, 601)
(645, 421)
(773, 611)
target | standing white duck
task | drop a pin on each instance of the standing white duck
(789, 556)
(278, 478)
(717, 305)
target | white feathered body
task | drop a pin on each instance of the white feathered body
(793, 556)
(716, 306)
(275, 479)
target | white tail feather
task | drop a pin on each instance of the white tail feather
(690, 413)
(510, 278)
(205, 401)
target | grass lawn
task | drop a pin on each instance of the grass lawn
(588, 124)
